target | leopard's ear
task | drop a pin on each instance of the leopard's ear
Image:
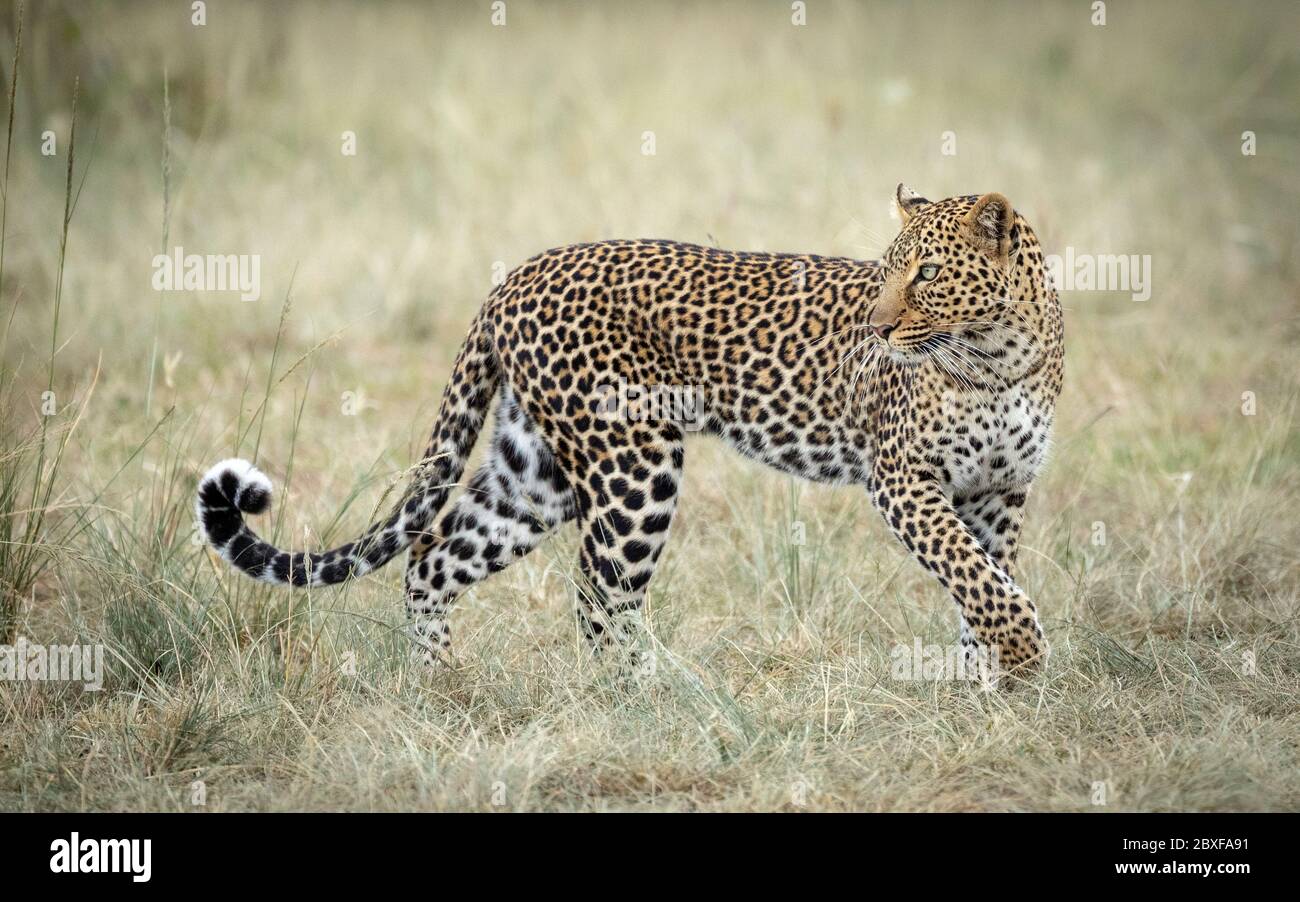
(907, 202)
(988, 225)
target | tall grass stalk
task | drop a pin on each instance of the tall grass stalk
(9, 146)
(166, 234)
(11, 591)
(33, 460)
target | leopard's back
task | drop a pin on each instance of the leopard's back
(757, 348)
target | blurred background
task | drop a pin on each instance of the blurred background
(1161, 539)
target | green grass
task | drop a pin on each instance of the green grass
(1176, 661)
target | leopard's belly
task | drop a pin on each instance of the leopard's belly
(821, 452)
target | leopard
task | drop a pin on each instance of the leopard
(928, 378)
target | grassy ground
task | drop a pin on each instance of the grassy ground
(1161, 542)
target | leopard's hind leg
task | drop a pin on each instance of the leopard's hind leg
(512, 502)
(624, 527)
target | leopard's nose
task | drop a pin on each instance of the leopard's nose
(882, 331)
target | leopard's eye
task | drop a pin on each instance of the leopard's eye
(927, 272)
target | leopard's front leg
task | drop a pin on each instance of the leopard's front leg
(994, 517)
(995, 612)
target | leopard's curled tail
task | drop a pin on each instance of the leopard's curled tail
(235, 487)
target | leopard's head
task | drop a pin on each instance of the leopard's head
(947, 275)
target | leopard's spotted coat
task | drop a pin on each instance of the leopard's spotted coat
(929, 377)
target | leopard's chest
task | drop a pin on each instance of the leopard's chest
(979, 442)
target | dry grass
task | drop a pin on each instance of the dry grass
(479, 144)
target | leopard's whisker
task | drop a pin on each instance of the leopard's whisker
(844, 360)
(941, 358)
(827, 337)
(874, 361)
(972, 373)
(948, 327)
(960, 343)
